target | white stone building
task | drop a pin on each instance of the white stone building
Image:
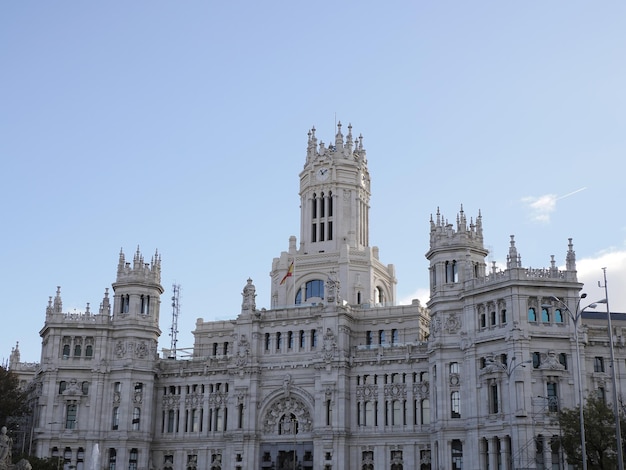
(334, 375)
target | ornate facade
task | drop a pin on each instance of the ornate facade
(335, 374)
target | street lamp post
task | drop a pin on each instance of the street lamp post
(618, 427)
(508, 370)
(575, 318)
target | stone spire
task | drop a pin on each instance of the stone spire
(570, 257)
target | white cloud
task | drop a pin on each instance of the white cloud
(423, 295)
(541, 207)
(590, 272)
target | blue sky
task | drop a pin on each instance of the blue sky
(182, 127)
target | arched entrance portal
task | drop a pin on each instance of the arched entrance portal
(287, 443)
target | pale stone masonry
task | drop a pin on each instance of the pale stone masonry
(334, 375)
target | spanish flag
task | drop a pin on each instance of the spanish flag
(289, 274)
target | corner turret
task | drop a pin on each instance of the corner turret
(455, 255)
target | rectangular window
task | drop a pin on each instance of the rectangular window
(301, 339)
(457, 455)
(313, 339)
(136, 418)
(195, 420)
(313, 232)
(330, 230)
(503, 316)
(70, 421)
(322, 233)
(369, 338)
(116, 419)
(553, 398)
(598, 364)
(493, 398)
(536, 360)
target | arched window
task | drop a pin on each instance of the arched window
(330, 205)
(77, 350)
(425, 411)
(368, 417)
(455, 404)
(558, 315)
(315, 288)
(62, 386)
(132, 459)
(145, 304)
(532, 314)
(545, 315)
(452, 274)
(89, 350)
(112, 458)
(66, 351)
(396, 417)
(380, 296)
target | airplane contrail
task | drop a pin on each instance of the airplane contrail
(572, 193)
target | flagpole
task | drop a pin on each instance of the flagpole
(293, 275)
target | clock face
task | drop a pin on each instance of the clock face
(323, 174)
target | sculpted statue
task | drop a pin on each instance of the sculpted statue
(5, 449)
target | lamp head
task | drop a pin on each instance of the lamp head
(583, 295)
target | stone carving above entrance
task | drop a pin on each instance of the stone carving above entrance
(287, 415)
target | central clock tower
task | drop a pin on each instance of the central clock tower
(334, 232)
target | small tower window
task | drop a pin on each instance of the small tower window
(124, 303)
(452, 274)
(330, 204)
(145, 304)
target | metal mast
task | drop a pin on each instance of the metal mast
(175, 313)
